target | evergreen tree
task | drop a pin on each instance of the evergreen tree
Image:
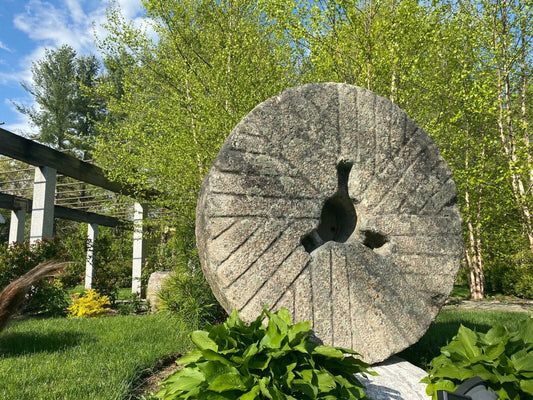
(65, 110)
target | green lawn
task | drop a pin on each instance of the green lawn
(103, 358)
(84, 358)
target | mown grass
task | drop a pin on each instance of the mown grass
(84, 358)
(446, 326)
(102, 359)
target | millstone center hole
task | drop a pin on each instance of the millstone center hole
(337, 220)
(337, 223)
(338, 217)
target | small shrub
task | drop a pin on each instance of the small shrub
(188, 295)
(48, 297)
(512, 277)
(45, 297)
(19, 258)
(503, 357)
(281, 361)
(110, 277)
(133, 305)
(112, 266)
(88, 304)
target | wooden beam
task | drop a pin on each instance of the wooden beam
(14, 203)
(36, 154)
(86, 216)
(10, 202)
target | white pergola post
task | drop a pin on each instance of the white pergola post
(139, 250)
(16, 226)
(92, 235)
(42, 215)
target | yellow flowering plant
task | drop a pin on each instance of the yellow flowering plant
(88, 304)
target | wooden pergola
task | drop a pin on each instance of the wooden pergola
(47, 164)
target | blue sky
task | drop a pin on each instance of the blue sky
(28, 27)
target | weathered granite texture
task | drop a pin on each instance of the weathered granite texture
(155, 282)
(328, 200)
(397, 380)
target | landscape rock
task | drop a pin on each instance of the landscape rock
(328, 200)
(154, 286)
(397, 380)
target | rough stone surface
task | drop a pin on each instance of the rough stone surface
(397, 380)
(328, 200)
(154, 286)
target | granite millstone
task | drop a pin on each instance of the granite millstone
(328, 200)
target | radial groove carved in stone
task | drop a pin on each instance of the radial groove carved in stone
(328, 200)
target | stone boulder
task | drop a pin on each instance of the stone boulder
(328, 200)
(397, 380)
(155, 283)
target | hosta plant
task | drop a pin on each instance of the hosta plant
(278, 361)
(502, 356)
(88, 304)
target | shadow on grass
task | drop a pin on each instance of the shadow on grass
(16, 344)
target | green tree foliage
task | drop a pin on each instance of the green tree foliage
(172, 102)
(461, 69)
(65, 111)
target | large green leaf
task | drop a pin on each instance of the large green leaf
(273, 338)
(250, 351)
(187, 379)
(527, 386)
(495, 336)
(213, 369)
(525, 332)
(523, 361)
(214, 356)
(468, 339)
(252, 394)
(493, 352)
(285, 316)
(328, 351)
(299, 329)
(259, 361)
(226, 382)
(326, 382)
(305, 387)
(190, 357)
(202, 340)
(454, 372)
(233, 320)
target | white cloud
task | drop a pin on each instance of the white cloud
(4, 47)
(130, 8)
(54, 23)
(74, 24)
(76, 11)
(53, 27)
(9, 78)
